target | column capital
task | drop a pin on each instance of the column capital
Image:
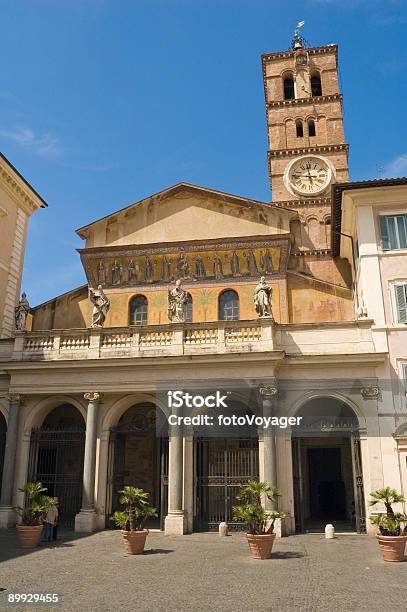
(268, 391)
(14, 398)
(92, 396)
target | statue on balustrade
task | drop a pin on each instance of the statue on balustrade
(101, 305)
(262, 299)
(177, 301)
(21, 312)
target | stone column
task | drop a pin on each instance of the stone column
(85, 521)
(269, 471)
(7, 514)
(175, 520)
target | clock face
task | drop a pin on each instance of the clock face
(309, 175)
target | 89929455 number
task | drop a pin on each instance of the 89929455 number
(33, 598)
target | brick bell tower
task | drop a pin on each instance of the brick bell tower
(307, 149)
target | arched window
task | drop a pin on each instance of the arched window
(311, 127)
(138, 310)
(188, 310)
(316, 87)
(299, 129)
(288, 83)
(229, 306)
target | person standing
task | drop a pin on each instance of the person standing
(51, 521)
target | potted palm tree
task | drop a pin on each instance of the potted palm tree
(259, 522)
(392, 526)
(132, 518)
(30, 528)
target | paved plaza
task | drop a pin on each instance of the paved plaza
(204, 572)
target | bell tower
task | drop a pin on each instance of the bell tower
(307, 149)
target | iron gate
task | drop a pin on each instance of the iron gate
(56, 460)
(223, 465)
(360, 513)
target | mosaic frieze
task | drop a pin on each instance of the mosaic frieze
(137, 267)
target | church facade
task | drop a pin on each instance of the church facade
(84, 383)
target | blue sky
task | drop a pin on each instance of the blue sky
(103, 102)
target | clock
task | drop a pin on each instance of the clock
(308, 175)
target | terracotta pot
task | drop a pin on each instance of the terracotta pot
(260, 545)
(29, 536)
(392, 547)
(134, 541)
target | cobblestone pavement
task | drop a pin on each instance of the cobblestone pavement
(204, 572)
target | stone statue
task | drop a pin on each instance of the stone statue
(131, 272)
(217, 266)
(266, 262)
(101, 273)
(148, 270)
(20, 313)
(177, 300)
(200, 271)
(235, 264)
(116, 273)
(101, 305)
(262, 299)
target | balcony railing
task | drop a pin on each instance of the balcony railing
(190, 338)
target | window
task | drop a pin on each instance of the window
(138, 310)
(311, 127)
(188, 309)
(288, 83)
(400, 294)
(299, 129)
(393, 231)
(316, 88)
(229, 306)
(404, 375)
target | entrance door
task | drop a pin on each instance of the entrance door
(223, 465)
(137, 457)
(325, 475)
(327, 494)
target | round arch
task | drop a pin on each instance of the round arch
(119, 407)
(317, 395)
(4, 410)
(40, 411)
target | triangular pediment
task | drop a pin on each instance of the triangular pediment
(186, 212)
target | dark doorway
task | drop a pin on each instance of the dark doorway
(56, 459)
(326, 486)
(223, 465)
(138, 457)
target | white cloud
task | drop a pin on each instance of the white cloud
(397, 167)
(44, 145)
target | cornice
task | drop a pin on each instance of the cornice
(304, 203)
(292, 52)
(301, 101)
(307, 150)
(18, 188)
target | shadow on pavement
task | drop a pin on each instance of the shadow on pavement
(287, 555)
(10, 549)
